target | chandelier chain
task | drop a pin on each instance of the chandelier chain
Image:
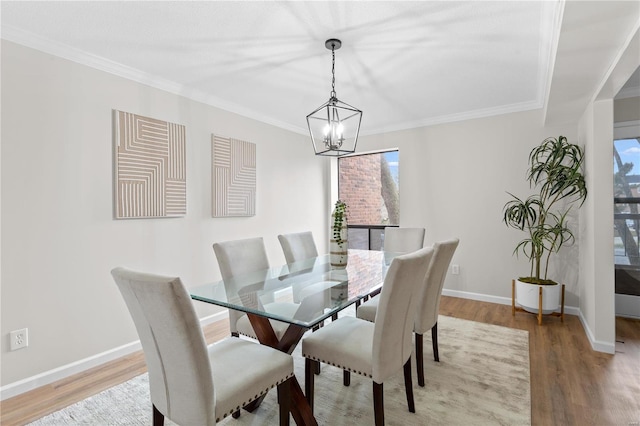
(333, 72)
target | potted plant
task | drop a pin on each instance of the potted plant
(555, 172)
(338, 239)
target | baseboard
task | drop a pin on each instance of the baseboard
(569, 310)
(606, 347)
(47, 377)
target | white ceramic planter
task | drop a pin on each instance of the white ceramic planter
(339, 255)
(528, 297)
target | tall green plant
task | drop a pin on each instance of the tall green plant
(555, 170)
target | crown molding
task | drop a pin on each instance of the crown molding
(452, 118)
(81, 57)
(67, 52)
(546, 75)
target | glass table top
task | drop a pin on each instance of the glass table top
(304, 293)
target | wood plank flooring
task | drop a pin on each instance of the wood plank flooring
(570, 383)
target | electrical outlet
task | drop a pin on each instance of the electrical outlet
(19, 339)
(455, 269)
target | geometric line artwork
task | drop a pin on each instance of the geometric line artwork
(233, 177)
(150, 167)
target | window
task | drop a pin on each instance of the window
(626, 155)
(369, 184)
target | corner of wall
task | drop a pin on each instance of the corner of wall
(599, 346)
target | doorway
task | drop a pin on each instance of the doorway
(626, 168)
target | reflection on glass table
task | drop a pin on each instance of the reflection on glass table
(323, 291)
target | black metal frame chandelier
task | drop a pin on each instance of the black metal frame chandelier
(335, 125)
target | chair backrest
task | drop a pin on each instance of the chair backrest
(393, 328)
(298, 246)
(241, 256)
(403, 240)
(429, 298)
(180, 377)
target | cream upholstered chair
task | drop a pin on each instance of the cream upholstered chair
(428, 302)
(403, 240)
(377, 350)
(245, 256)
(192, 383)
(296, 247)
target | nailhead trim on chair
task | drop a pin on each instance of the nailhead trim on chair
(253, 398)
(339, 366)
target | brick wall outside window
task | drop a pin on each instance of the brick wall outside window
(360, 187)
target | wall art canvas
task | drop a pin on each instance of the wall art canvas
(233, 177)
(150, 167)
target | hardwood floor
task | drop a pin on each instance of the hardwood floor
(570, 383)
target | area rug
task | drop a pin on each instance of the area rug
(482, 379)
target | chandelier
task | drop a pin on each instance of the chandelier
(335, 125)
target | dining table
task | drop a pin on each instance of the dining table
(323, 291)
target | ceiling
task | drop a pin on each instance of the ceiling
(404, 64)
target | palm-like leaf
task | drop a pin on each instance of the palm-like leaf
(555, 169)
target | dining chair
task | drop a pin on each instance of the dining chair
(240, 257)
(403, 240)
(400, 240)
(428, 302)
(296, 247)
(376, 350)
(192, 383)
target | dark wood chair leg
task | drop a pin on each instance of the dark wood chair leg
(235, 334)
(378, 404)
(236, 414)
(334, 317)
(309, 373)
(434, 340)
(158, 417)
(420, 359)
(284, 401)
(408, 385)
(346, 377)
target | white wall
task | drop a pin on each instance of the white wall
(453, 182)
(627, 109)
(59, 238)
(596, 250)
(597, 278)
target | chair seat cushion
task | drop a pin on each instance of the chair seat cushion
(345, 343)
(367, 311)
(243, 325)
(242, 371)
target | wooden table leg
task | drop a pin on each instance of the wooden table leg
(300, 409)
